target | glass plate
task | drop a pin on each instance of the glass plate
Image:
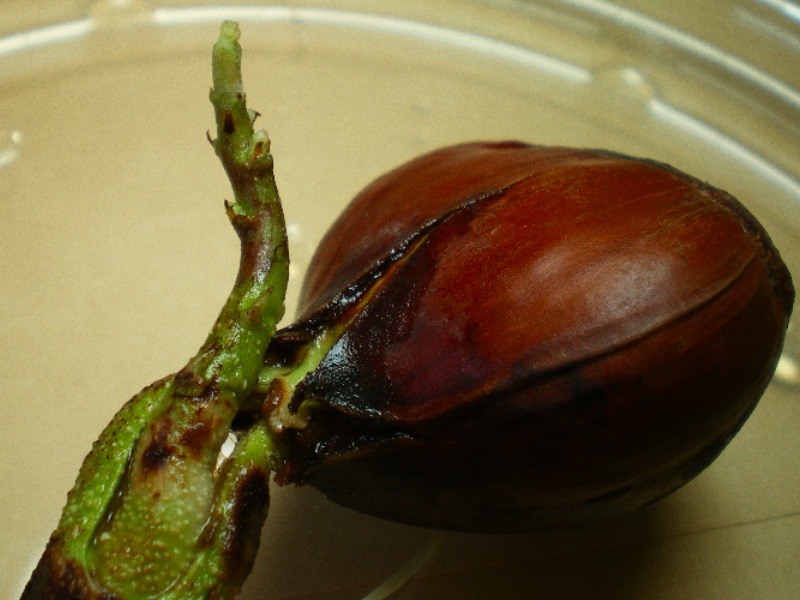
(116, 254)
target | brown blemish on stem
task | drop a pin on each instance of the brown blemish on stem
(158, 451)
(276, 395)
(249, 511)
(258, 151)
(227, 123)
(190, 385)
(58, 579)
(196, 438)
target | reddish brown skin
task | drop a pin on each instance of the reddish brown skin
(564, 335)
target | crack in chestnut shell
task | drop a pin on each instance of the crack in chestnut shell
(575, 334)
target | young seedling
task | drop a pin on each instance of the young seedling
(493, 337)
(156, 510)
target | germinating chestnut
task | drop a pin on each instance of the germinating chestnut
(532, 337)
(493, 337)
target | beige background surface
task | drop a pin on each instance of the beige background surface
(115, 254)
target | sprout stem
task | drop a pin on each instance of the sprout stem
(152, 514)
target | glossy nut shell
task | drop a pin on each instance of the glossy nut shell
(552, 336)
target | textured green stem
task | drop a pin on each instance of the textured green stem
(155, 512)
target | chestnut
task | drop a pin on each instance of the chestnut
(531, 337)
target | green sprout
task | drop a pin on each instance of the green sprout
(157, 510)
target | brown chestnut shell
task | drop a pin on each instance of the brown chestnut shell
(553, 336)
